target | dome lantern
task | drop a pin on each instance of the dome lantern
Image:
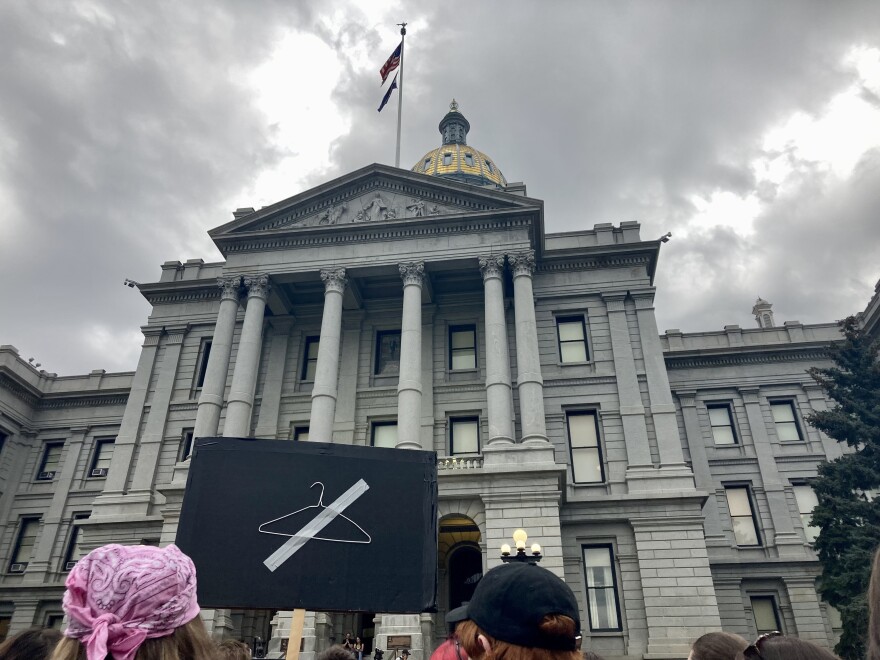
(454, 127)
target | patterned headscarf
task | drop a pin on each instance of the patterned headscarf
(120, 595)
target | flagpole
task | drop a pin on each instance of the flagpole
(400, 92)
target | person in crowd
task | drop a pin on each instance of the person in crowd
(521, 612)
(335, 652)
(133, 603)
(32, 644)
(232, 649)
(348, 642)
(717, 646)
(874, 609)
(358, 648)
(776, 646)
(449, 650)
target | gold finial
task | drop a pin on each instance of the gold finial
(453, 107)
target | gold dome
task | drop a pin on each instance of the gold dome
(455, 159)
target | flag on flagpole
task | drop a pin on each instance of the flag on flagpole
(388, 93)
(392, 63)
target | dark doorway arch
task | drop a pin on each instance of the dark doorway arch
(465, 568)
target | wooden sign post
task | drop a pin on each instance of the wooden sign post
(296, 633)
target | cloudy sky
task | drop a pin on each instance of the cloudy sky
(750, 130)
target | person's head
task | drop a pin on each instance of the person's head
(521, 612)
(717, 646)
(449, 650)
(776, 646)
(404, 653)
(232, 649)
(32, 644)
(874, 610)
(335, 652)
(133, 603)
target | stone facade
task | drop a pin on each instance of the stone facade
(530, 362)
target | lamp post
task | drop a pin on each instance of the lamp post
(519, 538)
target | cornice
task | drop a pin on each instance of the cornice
(18, 390)
(624, 261)
(207, 291)
(736, 355)
(574, 382)
(114, 399)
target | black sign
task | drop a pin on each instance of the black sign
(272, 524)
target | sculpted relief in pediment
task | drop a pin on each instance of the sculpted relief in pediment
(376, 206)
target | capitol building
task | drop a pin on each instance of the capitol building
(665, 476)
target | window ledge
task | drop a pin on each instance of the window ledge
(587, 363)
(606, 633)
(464, 371)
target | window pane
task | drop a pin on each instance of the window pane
(573, 352)
(388, 353)
(27, 539)
(309, 374)
(764, 610)
(807, 501)
(103, 454)
(465, 437)
(464, 359)
(719, 416)
(723, 435)
(462, 339)
(312, 348)
(586, 466)
(744, 531)
(385, 435)
(571, 330)
(738, 501)
(52, 458)
(603, 609)
(582, 430)
(598, 565)
(787, 431)
(601, 591)
(782, 412)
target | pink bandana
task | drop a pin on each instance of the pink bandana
(120, 595)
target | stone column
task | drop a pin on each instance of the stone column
(24, 616)
(247, 362)
(123, 450)
(214, 387)
(818, 402)
(499, 395)
(632, 412)
(702, 471)
(806, 609)
(151, 440)
(528, 360)
(409, 387)
(40, 566)
(324, 391)
(785, 538)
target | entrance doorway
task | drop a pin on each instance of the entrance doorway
(465, 566)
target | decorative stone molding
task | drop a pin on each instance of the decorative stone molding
(412, 273)
(17, 390)
(334, 279)
(492, 265)
(764, 357)
(615, 300)
(687, 399)
(83, 402)
(257, 286)
(151, 335)
(176, 333)
(522, 263)
(750, 394)
(230, 287)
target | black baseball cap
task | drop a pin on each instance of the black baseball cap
(511, 600)
(457, 615)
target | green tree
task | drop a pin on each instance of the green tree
(847, 514)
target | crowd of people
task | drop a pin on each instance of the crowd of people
(139, 603)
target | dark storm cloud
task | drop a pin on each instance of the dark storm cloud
(128, 127)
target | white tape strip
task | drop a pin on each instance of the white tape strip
(319, 522)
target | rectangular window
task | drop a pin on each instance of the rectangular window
(300, 433)
(426, 165)
(572, 335)
(489, 165)
(202, 364)
(447, 159)
(462, 347)
(55, 621)
(5, 622)
(602, 598)
(742, 515)
(721, 420)
(384, 434)
(74, 549)
(766, 614)
(186, 445)
(51, 461)
(310, 358)
(807, 501)
(24, 544)
(3, 437)
(102, 457)
(387, 353)
(785, 421)
(586, 454)
(469, 160)
(464, 435)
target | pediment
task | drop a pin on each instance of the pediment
(375, 194)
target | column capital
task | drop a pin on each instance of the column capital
(151, 334)
(257, 286)
(687, 398)
(750, 394)
(334, 279)
(176, 333)
(230, 287)
(522, 263)
(643, 298)
(412, 273)
(615, 300)
(491, 265)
